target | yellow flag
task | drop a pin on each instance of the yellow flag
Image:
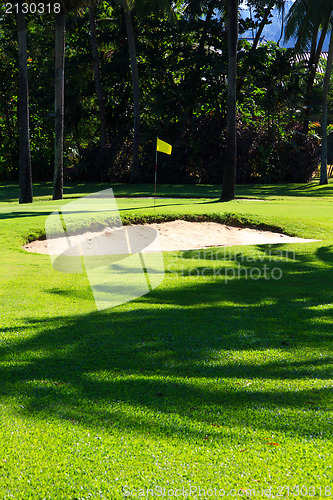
(163, 147)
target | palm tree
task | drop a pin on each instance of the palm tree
(59, 82)
(25, 176)
(327, 79)
(306, 19)
(127, 6)
(142, 7)
(99, 90)
(229, 172)
(136, 168)
(60, 31)
(315, 53)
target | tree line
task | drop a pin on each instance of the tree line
(180, 70)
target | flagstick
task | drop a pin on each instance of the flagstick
(155, 179)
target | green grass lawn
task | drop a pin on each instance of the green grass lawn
(203, 383)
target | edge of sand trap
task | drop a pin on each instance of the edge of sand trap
(183, 235)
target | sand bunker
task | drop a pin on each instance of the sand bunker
(182, 235)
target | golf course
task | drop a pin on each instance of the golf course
(204, 387)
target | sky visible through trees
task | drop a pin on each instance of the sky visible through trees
(273, 31)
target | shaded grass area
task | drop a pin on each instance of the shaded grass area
(305, 217)
(214, 379)
(10, 192)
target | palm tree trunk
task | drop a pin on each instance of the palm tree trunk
(229, 172)
(25, 176)
(99, 90)
(309, 81)
(313, 64)
(328, 72)
(136, 170)
(58, 181)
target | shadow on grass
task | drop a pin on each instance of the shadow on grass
(10, 191)
(23, 214)
(311, 189)
(195, 349)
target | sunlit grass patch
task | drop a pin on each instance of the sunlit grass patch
(205, 381)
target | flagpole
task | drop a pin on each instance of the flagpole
(155, 178)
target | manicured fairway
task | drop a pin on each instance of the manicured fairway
(206, 382)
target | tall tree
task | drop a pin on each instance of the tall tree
(58, 182)
(136, 167)
(315, 52)
(97, 72)
(60, 33)
(229, 173)
(25, 176)
(305, 19)
(309, 25)
(142, 7)
(327, 79)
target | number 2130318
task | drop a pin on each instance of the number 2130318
(33, 8)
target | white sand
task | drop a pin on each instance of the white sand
(177, 235)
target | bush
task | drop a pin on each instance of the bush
(113, 164)
(264, 155)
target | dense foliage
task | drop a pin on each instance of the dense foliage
(182, 69)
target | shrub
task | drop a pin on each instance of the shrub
(113, 164)
(265, 154)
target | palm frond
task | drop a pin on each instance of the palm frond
(305, 18)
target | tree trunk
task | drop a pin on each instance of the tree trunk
(99, 90)
(313, 64)
(328, 72)
(58, 181)
(25, 176)
(229, 173)
(309, 81)
(136, 170)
